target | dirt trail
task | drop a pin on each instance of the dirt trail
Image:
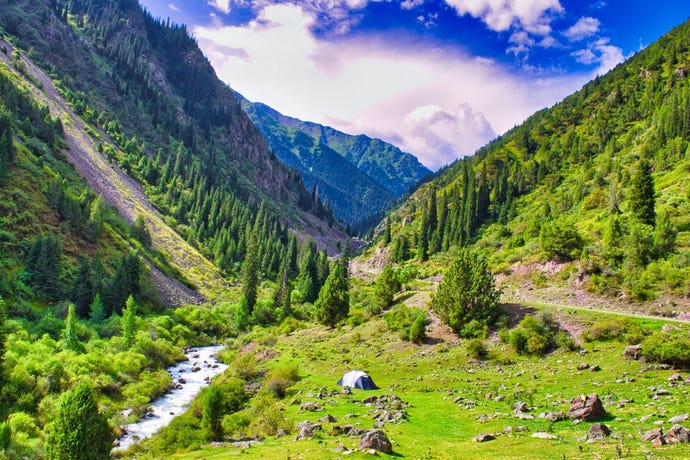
(123, 193)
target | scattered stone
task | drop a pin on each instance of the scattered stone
(595, 368)
(582, 366)
(624, 402)
(598, 431)
(340, 449)
(458, 400)
(370, 400)
(654, 435)
(347, 430)
(586, 408)
(498, 398)
(521, 429)
(181, 381)
(644, 418)
(675, 378)
(543, 435)
(307, 429)
(196, 369)
(309, 406)
(377, 440)
(327, 419)
(677, 434)
(679, 418)
(483, 437)
(632, 351)
(281, 433)
(521, 406)
(553, 416)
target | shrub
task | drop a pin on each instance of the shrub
(615, 329)
(566, 341)
(474, 329)
(671, 348)
(560, 240)
(418, 330)
(402, 319)
(280, 379)
(535, 335)
(476, 348)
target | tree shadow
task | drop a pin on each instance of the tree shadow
(515, 312)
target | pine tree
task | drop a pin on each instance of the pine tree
(467, 292)
(333, 303)
(97, 310)
(250, 273)
(79, 431)
(308, 280)
(642, 193)
(387, 285)
(140, 232)
(82, 288)
(281, 297)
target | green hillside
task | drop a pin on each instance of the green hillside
(359, 176)
(598, 182)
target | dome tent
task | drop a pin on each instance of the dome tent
(357, 379)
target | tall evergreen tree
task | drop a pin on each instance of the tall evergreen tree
(129, 324)
(642, 199)
(70, 336)
(250, 273)
(79, 431)
(308, 280)
(82, 288)
(333, 303)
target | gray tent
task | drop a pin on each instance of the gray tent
(357, 379)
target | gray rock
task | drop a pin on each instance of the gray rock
(632, 351)
(598, 431)
(678, 418)
(377, 440)
(307, 429)
(653, 435)
(587, 408)
(327, 419)
(543, 435)
(483, 437)
(309, 406)
(677, 434)
(675, 378)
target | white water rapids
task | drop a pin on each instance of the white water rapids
(189, 377)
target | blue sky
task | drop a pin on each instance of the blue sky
(436, 78)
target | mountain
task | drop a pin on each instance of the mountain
(159, 135)
(359, 176)
(598, 184)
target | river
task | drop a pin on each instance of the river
(189, 377)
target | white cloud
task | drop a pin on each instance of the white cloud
(221, 5)
(602, 53)
(436, 102)
(583, 28)
(409, 4)
(173, 7)
(520, 43)
(500, 15)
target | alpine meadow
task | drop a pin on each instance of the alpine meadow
(530, 299)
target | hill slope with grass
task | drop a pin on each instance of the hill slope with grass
(359, 176)
(591, 194)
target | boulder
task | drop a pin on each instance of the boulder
(483, 437)
(632, 351)
(587, 408)
(309, 406)
(543, 435)
(655, 436)
(347, 430)
(327, 419)
(677, 434)
(675, 378)
(598, 431)
(678, 418)
(307, 429)
(377, 440)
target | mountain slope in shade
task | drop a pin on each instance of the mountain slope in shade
(358, 175)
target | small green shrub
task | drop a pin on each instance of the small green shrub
(418, 330)
(671, 348)
(475, 329)
(403, 319)
(476, 349)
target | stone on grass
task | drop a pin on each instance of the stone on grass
(375, 439)
(654, 435)
(483, 437)
(675, 378)
(307, 429)
(309, 406)
(632, 351)
(598, 431)
(327, 419)
(679, 418)
(677, 434)
(543, 435)
(587, 408)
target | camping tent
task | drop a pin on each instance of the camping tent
(357, 379)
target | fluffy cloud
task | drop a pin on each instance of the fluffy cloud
(221, 5)
(436, 102)
(443, 136)
(500, 15)
(602, 53)
(583, 28)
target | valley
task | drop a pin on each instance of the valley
(527, 301)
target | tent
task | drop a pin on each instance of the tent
(357, 379)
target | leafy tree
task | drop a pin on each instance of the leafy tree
(560, 240)
(212, 413)
(387, 284)
(333, 303)
(467, 292)
(129, 317)
(5, 435)
(79, 431)
(642, 193)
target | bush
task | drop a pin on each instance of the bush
(418, 330)
(280, 379)
(476, 348)
(535, 335)
(560, 240)
(475, 329)
(402, 319)
(671, 348)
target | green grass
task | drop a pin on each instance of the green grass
(431, 376)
